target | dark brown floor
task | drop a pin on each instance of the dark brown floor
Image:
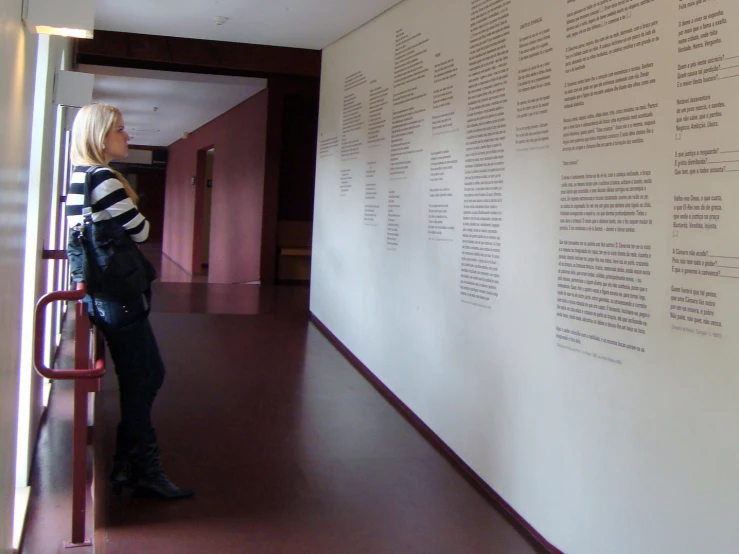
(289, 449)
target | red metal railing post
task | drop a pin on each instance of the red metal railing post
(82, 359)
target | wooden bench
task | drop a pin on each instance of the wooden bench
(294, 240)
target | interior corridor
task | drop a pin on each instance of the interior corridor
(289, 448)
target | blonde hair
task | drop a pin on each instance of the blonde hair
(91, 126)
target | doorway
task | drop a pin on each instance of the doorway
(207, 203)
(296, 189)
(203, 182)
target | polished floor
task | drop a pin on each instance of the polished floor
(290, 449)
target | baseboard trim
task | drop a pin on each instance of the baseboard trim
(531, 535)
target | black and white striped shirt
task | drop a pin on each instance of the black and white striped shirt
(109, 200)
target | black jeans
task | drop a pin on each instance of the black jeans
(137, 361)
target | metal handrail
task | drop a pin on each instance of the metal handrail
(38, 348)
(86, 376)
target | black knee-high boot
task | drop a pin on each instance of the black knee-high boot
(148, 475)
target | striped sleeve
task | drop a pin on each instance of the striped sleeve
(75, 198)
(109, 201)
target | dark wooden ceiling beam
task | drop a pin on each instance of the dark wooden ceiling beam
(162, 53)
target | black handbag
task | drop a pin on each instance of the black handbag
(108, 261)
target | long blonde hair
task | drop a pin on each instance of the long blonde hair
(91, 126)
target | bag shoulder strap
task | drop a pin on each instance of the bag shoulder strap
(87, 207)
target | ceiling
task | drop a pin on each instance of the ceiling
(186, 101)
(310, 24)
(183, 101)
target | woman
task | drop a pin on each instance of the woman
(99, 136)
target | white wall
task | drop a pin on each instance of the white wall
(17, 63)
(585, 367)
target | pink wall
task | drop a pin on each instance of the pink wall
(239, 139)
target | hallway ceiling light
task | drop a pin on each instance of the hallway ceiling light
(67, 18)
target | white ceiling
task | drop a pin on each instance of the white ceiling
(295, 23)
(184, 101)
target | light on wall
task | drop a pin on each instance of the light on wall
(67, 18)
(73, 89)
